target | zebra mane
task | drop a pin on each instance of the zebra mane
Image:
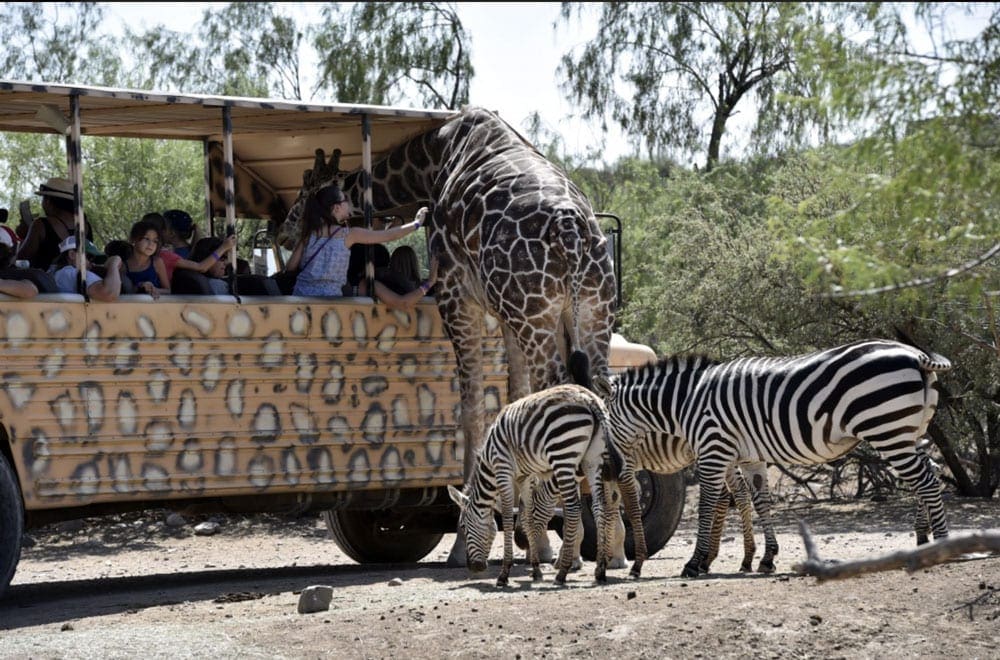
(665, 365)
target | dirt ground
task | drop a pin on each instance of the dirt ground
(135, 587)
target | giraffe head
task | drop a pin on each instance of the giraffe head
(323, 173)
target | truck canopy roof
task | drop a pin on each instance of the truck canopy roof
(274, 141)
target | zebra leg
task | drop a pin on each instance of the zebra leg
(506, 492)
(741, 495)
(629, 487)
(616, 527)
(711, 477)
(600, 500)
(544, 501)
(917, 473)
(921, 524)
(528, 521)
(718, 524)
(762, 503)
(572, 522)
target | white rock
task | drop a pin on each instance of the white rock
(315, 599)
(396, 582)
(206, 528)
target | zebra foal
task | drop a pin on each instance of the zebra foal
(552, 434)
(805, 410)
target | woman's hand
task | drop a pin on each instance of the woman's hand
(420, 216)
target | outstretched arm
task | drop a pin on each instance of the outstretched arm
(369, 236)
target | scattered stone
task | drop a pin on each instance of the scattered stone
(396, 582)
(176, 520)
(207, 528)
(630, 595)
(815, 619)
(315, 599)
(66, 626)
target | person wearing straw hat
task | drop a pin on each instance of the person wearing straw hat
(41, 244)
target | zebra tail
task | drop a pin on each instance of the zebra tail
(928, 360)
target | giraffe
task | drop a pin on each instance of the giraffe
(514, 238)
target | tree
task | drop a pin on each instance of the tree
(243, 49)
(683, 62)
(57, 42)
(383, 53)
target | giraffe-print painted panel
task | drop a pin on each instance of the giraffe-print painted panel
(202, 397)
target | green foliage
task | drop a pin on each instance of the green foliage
(56, 42)
(384, 53)
(673, 72)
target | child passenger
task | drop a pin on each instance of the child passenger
(144, 266)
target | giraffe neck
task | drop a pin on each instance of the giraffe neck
(406, 176)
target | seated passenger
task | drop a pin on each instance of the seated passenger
(16, 288)
(171, 259)
(144, 266)
(105, 290)
(208, 249)
(323, 251)
(43, 238)
(179, 232)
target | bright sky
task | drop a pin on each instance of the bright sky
(515, 52)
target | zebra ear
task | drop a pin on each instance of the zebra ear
(458, 497)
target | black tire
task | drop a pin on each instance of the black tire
(11, 523)
(379, 537)
(662, 503)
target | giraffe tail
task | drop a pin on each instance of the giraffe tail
(579, 369)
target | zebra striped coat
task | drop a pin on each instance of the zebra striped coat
(807, 409)
(552, 434)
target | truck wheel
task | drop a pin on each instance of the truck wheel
(662, 503)
(11, 523)
(379, 537)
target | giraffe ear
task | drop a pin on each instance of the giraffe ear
(458, 497)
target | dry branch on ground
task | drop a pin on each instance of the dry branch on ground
(930, 554)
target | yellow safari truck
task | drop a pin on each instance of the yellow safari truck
(245, 402)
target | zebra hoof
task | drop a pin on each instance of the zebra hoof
(600, 573)
(922, 539)
(502, 582)
(561, 576)
(746, 566)
(536, 573)
(766, 567)
(690, 570)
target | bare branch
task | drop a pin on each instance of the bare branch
(927, 555)
(921, 281)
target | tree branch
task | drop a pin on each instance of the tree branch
(930, 554)
(921, 281)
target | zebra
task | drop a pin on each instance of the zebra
(555, 434)
(807, 409)
(665, 454)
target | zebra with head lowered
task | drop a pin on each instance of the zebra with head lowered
(552, 434)
(808, 409)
